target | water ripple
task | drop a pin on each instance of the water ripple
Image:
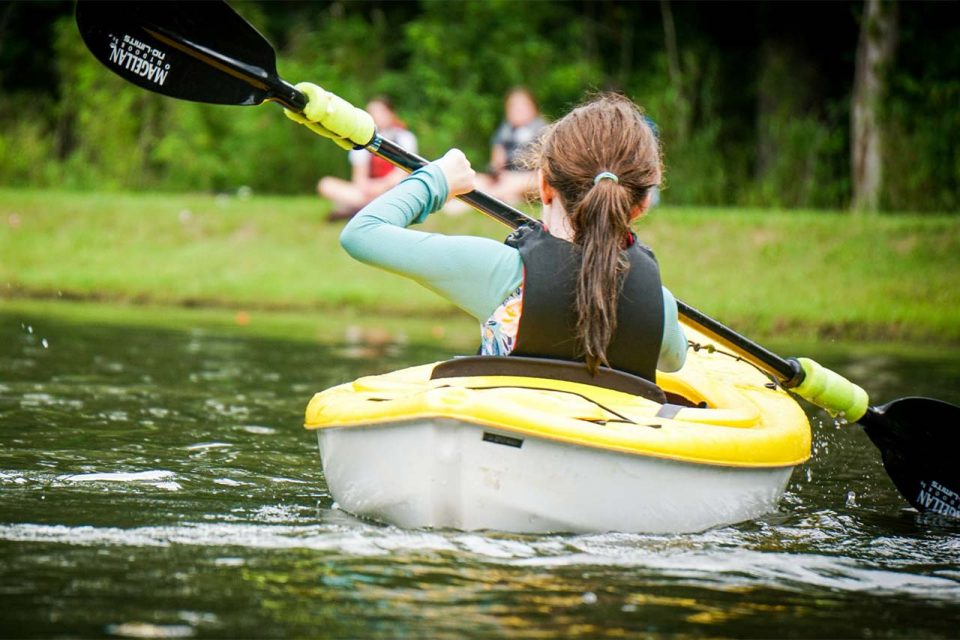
(160, 484)
(686, 558)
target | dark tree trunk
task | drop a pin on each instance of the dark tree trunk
(675, 70)
(875, 51)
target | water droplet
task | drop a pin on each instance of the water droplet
(589, 597)
(46, 345)
(851, 499)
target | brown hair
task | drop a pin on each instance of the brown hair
(520, 90)
(387, 101)
(608, 133)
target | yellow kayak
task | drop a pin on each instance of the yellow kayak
(527, 445)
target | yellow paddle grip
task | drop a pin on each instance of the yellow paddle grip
(831, 391)
(331, 116)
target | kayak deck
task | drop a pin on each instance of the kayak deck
(539, 454)
(729, 415)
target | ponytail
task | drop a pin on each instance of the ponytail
(602, 158)
(601, 223)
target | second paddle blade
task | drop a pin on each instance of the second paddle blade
(919, 440)
(199, 51)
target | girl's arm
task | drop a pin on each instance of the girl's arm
(673, 349)
(475, 274)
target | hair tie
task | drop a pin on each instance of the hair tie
(606, 175)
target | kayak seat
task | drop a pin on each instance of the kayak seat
(568, 371)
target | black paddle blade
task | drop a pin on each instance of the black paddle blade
(919, 441)
(198, 51)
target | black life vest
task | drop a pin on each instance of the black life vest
(548, 321)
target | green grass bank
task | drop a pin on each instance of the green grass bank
(801, 274)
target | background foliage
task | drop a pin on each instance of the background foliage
(752, 102)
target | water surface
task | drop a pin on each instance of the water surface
(158, 483)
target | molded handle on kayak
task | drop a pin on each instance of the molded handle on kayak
(331, 116)
(831, 391)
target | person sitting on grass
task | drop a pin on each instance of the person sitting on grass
(578, 284)
(508, 179)
(512, 180)
(370, 175)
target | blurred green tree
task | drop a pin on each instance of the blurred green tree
(753, 100)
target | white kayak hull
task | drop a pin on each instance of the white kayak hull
(447, 473)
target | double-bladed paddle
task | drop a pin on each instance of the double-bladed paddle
(205, 52)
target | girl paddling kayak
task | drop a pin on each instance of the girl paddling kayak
(578, 285)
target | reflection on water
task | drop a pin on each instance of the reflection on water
(159, 484)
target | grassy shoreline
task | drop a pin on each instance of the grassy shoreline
(798, 274)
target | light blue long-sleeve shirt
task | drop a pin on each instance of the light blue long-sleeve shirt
(476, 274)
